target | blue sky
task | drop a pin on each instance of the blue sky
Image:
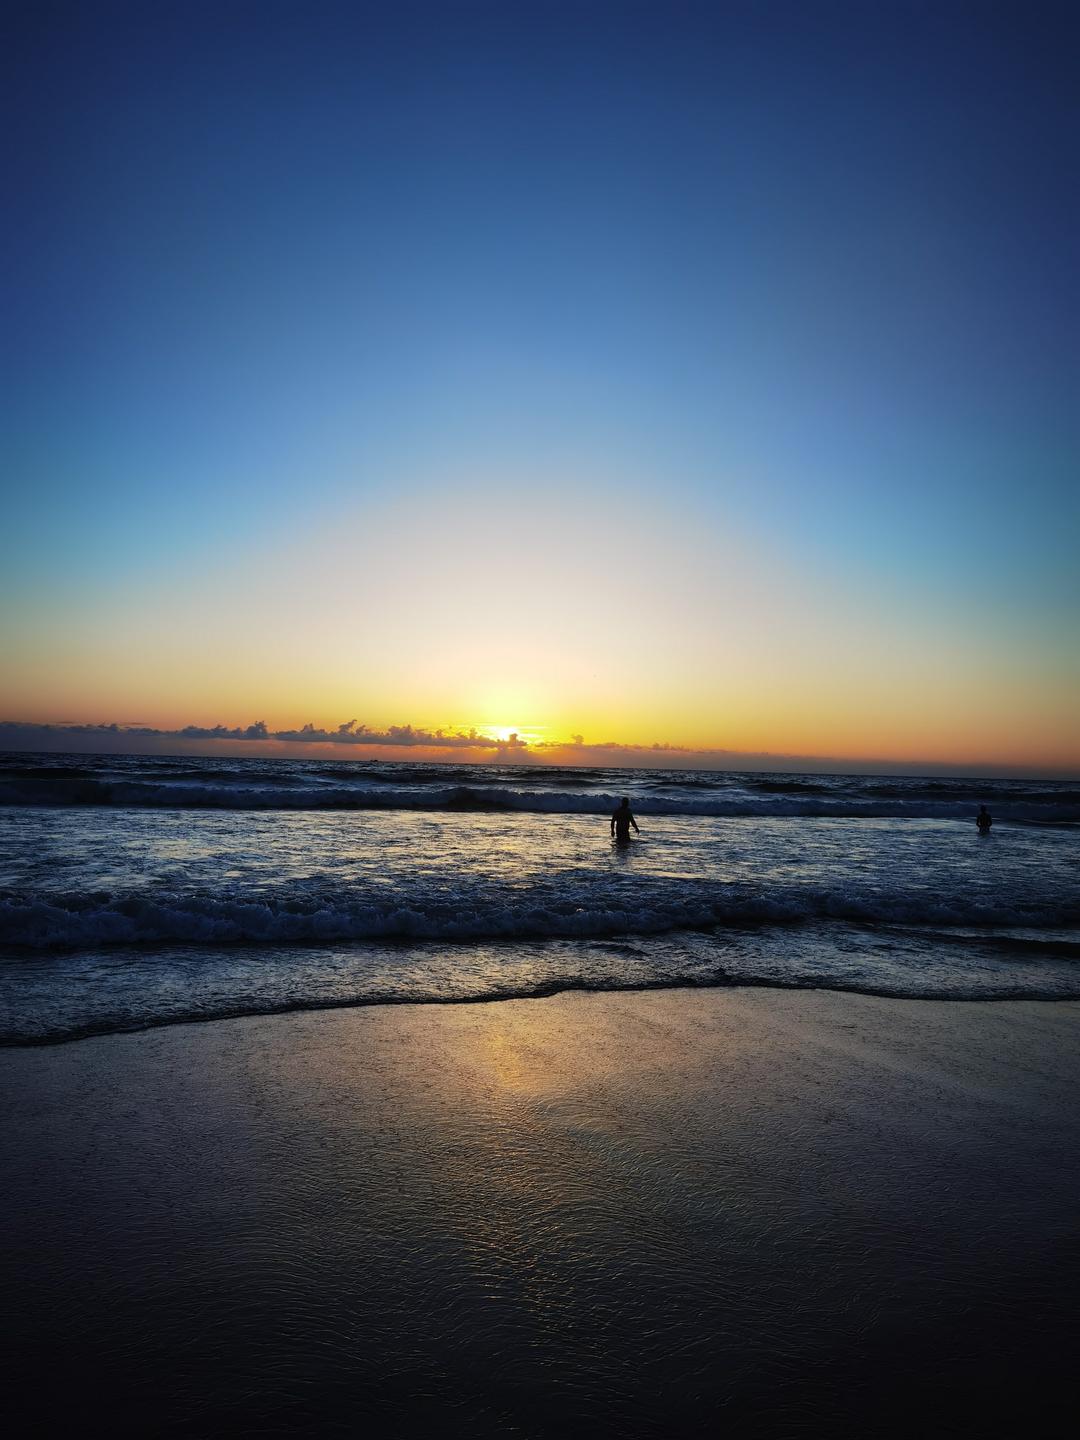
(804, 275)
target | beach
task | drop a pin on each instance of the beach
(763, 1211)
(540, 743)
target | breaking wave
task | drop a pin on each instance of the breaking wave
(271, 793)
(60, 922)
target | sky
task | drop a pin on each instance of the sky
(605, 376)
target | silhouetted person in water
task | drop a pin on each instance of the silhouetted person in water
(984, 820)
(621, 821)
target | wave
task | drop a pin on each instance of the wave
(59, 922)
(272, 793)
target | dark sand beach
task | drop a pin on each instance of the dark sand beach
(757, 1211)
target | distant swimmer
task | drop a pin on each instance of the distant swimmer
(984, 820)
(621, 821)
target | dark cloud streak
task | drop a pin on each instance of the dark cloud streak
(351, 733)
(113, 738)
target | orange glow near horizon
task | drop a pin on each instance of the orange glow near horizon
(620, 620)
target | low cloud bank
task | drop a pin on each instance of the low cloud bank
(577, 742)
(16, 734)
(399, 742)
(25, 735)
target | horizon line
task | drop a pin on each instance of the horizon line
(457, 747)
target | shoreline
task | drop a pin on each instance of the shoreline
(382, 1002)
(617, 1212)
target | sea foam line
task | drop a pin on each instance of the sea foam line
(35, 1036)
(57, 922)
(465, 798)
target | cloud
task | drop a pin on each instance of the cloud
(113, 738)
(577, 742)
(258, 731)
(20, 735)
(352, 733)
(17, 733)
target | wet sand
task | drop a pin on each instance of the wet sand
(637, 1214)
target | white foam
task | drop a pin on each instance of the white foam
(42, 923)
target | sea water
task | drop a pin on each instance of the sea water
(140, 891)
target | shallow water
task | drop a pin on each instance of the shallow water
(121, 912)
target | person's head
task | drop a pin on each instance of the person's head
(626, 803)
(982, 809)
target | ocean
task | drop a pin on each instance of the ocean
(138, 891)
